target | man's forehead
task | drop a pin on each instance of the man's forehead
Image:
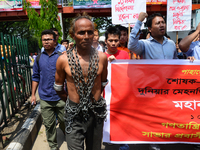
(83, 20)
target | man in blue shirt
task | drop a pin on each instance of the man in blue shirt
(58, 46)
(190, 45)
(155, 47)
(44, 77)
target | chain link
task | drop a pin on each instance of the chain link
(84, 89)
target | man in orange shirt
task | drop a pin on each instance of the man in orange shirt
(124, 40)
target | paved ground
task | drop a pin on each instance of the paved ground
(41, 143)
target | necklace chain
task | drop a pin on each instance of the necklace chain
(84, 89)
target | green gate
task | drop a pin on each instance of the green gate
(15, 76)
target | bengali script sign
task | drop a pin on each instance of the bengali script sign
(11, 5)
(81, 4)
(127, 11)
(154, 101)
(179, 15)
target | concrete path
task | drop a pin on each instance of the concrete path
(41, 140)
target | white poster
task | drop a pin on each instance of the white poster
(179, 15)
(127, 11)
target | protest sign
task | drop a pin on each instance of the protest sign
(179, 15)
(11, 5)
(83, 4)
(127, 11)
(153, 101)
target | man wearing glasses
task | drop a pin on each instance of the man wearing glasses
(58, 46)
(44, 77)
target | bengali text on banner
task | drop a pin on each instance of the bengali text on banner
(153, 101)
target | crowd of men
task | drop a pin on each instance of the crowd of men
(71, 77)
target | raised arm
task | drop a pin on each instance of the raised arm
(134, 44)
(184, 45)
(60, 76)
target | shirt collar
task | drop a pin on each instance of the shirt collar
(164, 41)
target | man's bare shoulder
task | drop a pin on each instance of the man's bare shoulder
(62, 59)
(102, 55)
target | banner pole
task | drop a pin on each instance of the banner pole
(129, 30)
(176, 36)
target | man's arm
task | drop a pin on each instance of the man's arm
(105, 71)
(60, 78)
(35, 81)
(184, 45)
(34, 88)
(134, 44)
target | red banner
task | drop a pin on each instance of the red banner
(153, 101)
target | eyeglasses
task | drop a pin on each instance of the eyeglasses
(44, 40)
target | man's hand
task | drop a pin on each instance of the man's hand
(191, 58)
(142, 16)
(111, 58)
(33, 99)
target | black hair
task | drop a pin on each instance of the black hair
(179, 39)
(122, 28)
(54, 29)
(167, 36)
(48, 32)
(192, 31)
(112, 30)
(151, 17)
(65, 41)
(102, 42)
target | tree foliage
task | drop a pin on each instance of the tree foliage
(102, 22)
(48, 17)
(21, 30)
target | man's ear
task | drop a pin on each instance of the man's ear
(72, 36)
(149, 28)
(105, 42)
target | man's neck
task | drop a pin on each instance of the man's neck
(82, 51)
(49, 51)
(159, 39)
(111, 52)
(123, 45)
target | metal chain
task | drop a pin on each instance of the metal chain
(84, 89)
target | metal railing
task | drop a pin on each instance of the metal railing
(66, 3)
(15, 76)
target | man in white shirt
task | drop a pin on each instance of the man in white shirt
(95, 43)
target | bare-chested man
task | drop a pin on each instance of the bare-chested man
(85, 70)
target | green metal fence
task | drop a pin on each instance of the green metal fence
(15, 76)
